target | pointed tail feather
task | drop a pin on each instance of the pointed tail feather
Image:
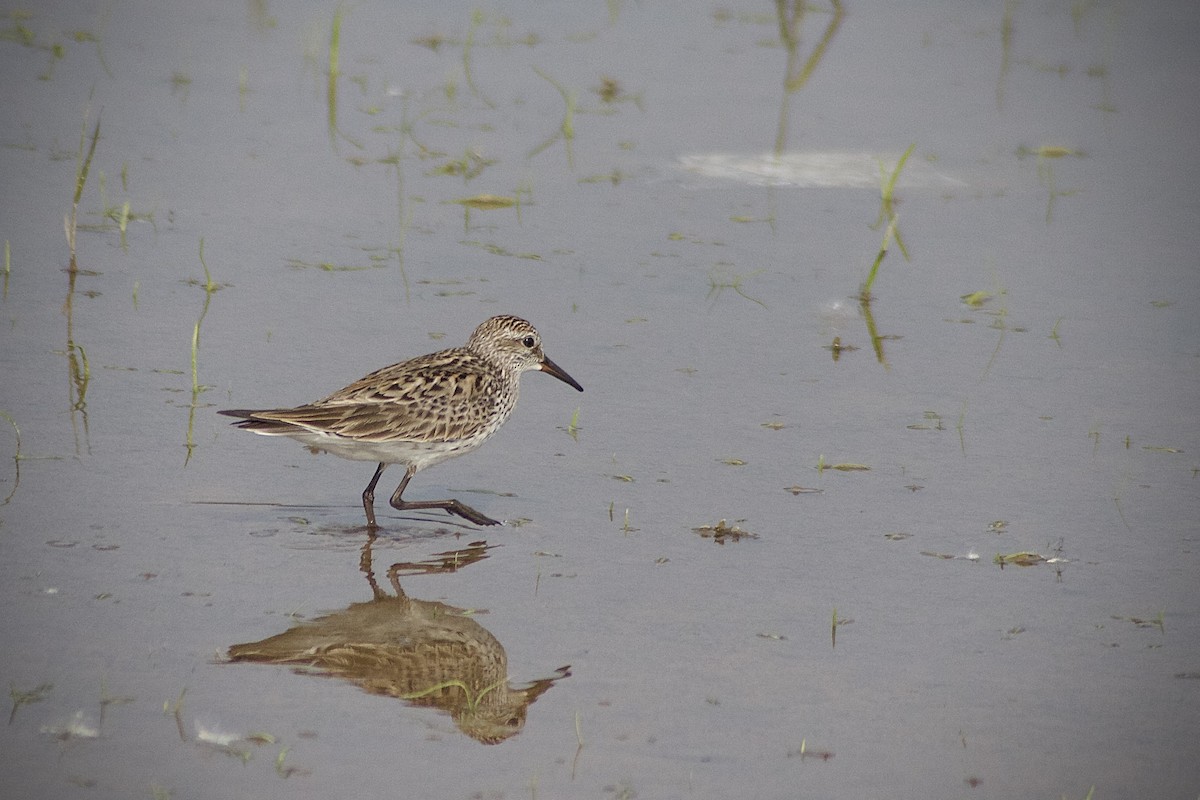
(248, 422)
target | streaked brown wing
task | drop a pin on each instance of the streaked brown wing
(440, 397)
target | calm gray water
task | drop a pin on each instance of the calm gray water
(693, 278)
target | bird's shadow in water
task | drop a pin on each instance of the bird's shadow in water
(426, 653)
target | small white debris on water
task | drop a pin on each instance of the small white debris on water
(214, 736)
(79, 727)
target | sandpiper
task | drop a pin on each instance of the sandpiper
(419, 412)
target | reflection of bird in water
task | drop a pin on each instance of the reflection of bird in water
(423, 652)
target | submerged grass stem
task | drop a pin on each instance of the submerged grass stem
(16, 469)
(477, 19)
(566, 128)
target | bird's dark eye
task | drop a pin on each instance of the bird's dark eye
(529, 342)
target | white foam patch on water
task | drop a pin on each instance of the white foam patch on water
(211, 734)
(816, 170)
(78, 727)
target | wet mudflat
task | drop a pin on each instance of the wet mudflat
(940, 541)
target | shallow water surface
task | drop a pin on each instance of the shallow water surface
(787, 542)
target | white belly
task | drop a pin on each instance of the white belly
(418, 455)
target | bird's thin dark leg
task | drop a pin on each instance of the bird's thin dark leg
(369, 497)
(452, 506)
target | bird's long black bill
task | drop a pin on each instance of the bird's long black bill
(558, 372)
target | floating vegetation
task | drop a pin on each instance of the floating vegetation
(722, 532)
(1045, 170)
(797, 490)
(720, 279)
(20, 33)
(841, 467)
(804, 752)
(836, 348)
(470, 165)
(1023, 558)
(180, 82)
(1156, 622)
(117, 216)
(495, 250)
(1000, 322)
(1049, 151)
(433, 41)
(614, 177)
(625, 527)
(610, 92)
(287, 771)
(1026, 558)
(609, 89)
(933, 422)
(487, 201)
(26, 697)
(491, 202)
(326, 266)
(107, 699)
